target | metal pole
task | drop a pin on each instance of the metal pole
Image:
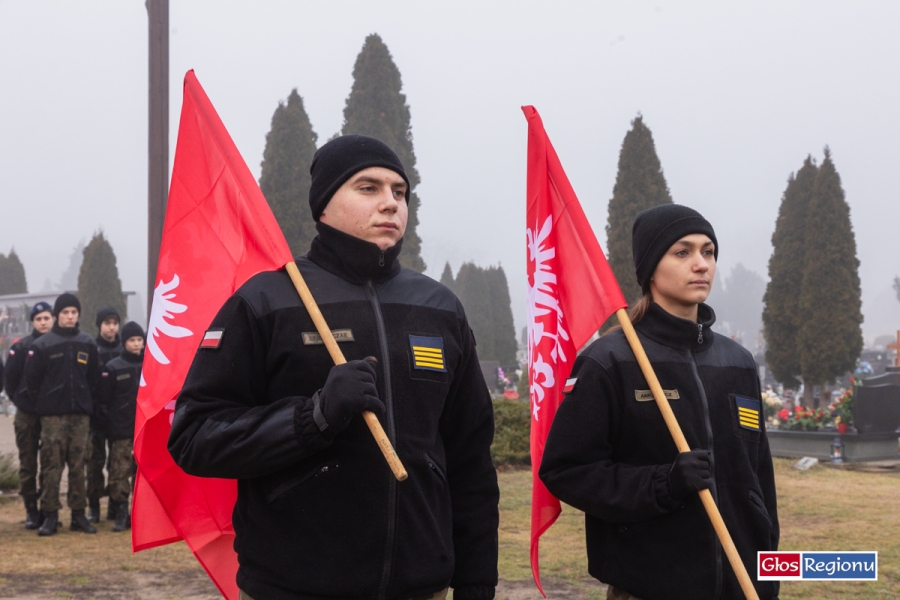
(158, 138)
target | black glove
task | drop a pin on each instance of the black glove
(349, 389)
(689, 473)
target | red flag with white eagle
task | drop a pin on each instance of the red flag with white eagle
(571, 292)
(219, 232)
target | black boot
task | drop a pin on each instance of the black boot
(94, 513)
(51, 519)
(80, 522)
(111, 511)
(123, 519)
(32, 514)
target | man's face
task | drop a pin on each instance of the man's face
(371, 205)
(43, 321)
(134, 344)
(109, 328)
(67, 317)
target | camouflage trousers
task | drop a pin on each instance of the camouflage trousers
(94, 463)
(121, 470)
(28, 441)
(64, 440)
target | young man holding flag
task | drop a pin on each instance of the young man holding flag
(319, 513)
(609, 452)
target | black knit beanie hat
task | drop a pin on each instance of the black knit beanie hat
(130, 330)
(38, 308)
(65, 301)
(338, 160)
(109, 311)
(654, 232)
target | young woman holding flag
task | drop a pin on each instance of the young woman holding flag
(610, 454)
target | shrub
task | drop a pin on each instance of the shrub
(9, 472)
(512, 424)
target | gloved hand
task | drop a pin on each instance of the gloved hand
(349, 389)
(689, 473)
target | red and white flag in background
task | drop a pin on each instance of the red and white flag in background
(571, 292)
(219, 232)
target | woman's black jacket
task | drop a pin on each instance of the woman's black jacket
(609, 454)
(117, 395)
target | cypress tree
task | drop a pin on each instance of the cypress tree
(781, 310)
(640, 185)
(285, 179)
(830, 336)
(12, 275)
(447, 278)
(472, 290)
(377, 108)
(98, 282)
(503, 328)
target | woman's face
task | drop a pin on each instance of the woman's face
(684, 276)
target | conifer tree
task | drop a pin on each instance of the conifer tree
(377, 108)
(781, 310)
(830, 336)
(640, 185)
(12, 274)
(503, 328)
(447, 278)
(98, 283)
(285, 179)
(471, 289)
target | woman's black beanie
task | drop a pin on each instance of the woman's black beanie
(132, 329)
(654, 232)
(338, 160)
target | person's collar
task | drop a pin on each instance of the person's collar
(351, 258)
(675, 332)
(65, 331)
(104, 343)
(132, 358)
(35, 334)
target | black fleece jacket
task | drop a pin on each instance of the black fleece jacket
(14, 383)
(609, 454)
(106, 351)
(62, 372)
(323, 517)
(117, 396)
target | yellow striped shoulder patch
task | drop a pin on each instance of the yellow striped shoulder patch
(747, 412)
(427, 352)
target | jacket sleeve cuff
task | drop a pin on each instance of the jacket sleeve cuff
(474, 592)
(311, 437)
(663, 492)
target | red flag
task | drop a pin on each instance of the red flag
(219, 232)
(571, 292)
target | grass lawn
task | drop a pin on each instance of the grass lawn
(820, 509)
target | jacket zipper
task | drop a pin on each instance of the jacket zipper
(391, 433)
(712, 456)
(699, 333)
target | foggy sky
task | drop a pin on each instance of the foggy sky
(736, 96)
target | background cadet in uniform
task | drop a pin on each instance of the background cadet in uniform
(116, 404)
(319, 513)
(27, 423)
(61, 375)
(109, 346)
(609, 452)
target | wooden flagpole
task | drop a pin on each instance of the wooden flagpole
(337, 356)
(681, 443)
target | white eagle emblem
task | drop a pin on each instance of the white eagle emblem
(164, 308)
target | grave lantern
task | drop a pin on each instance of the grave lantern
(837, 451)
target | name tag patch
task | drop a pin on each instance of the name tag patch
(123, 376)
(428, 353)
(312, 338)
(82, 358)
(647, 395)
(212, 339)
(747, 412)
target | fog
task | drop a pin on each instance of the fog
(736, 94)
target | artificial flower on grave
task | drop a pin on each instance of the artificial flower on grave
(771, 405)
